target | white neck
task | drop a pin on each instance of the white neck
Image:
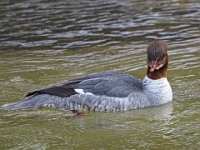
(159, 91)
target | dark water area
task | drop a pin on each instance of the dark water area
(47, 42)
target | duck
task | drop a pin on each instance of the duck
(107, 91)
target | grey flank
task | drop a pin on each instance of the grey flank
(83, 101)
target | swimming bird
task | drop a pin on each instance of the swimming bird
(108, 90)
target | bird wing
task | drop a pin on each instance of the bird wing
(109, 83)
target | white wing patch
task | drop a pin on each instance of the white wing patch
(80, 91)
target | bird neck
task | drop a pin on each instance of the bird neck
(159, 91)
(157, 74)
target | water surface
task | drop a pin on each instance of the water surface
(47, 42)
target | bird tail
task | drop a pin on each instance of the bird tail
(37, 101)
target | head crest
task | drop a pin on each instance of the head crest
(156, 50)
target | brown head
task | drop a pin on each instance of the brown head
(157, 60)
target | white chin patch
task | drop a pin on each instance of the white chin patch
(80, 91)
(160, 66)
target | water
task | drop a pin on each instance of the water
(47, 42)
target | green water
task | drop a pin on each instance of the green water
(46, 42)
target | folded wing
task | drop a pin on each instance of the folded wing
(108, 83)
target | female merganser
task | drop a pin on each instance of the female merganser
(108, 90)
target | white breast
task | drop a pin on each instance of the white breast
(159, 91)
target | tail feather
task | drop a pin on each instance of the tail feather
(40, 100)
